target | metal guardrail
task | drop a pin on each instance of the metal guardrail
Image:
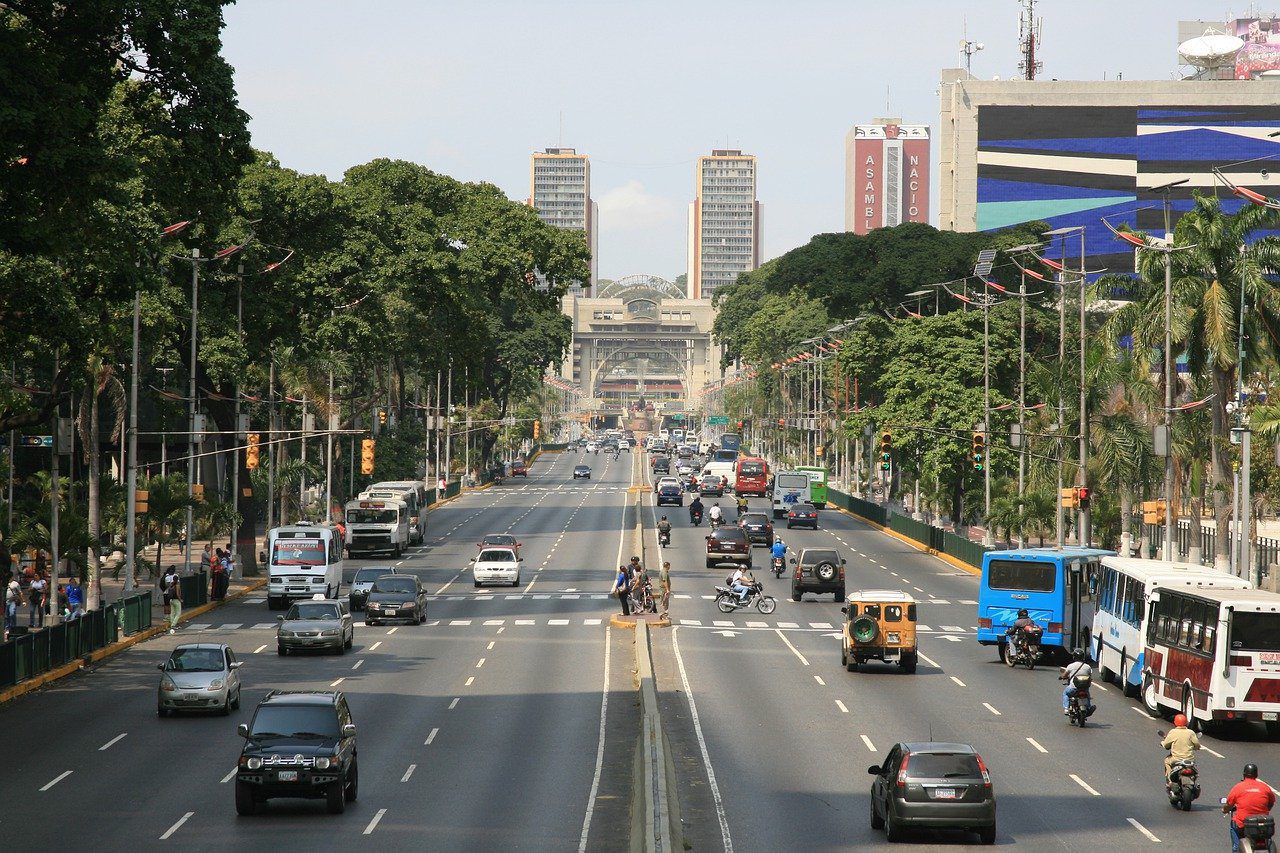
(934, 538)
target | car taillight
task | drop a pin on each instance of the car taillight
(984, 622)
(986, 777)
(1187, 771)
(1241, 660)
(902, 771)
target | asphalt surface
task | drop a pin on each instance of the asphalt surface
(789, 734)
(481, 729)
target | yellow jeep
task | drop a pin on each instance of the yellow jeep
(879, 624)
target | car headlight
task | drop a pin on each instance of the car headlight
(254, 764)
(167, 685)
(216, 684)
(332, 632)
(284, 633)
(323, 763)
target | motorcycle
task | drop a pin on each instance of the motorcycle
(1079, 707)
(1183, 784)
(695, 516)
(727, 600)
(779, 566)
(1023, 647)
(716, 522)
(1258, 832)
(664, 538)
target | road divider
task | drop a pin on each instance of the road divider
(661, 817)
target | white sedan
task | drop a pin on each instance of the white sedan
(496, 565)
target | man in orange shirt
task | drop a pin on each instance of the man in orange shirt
(1249, 797)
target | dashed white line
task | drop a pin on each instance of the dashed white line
(818, 678)
(408, 773)
(374, 647)
(56, 780)
(480, 663)
(470, 681)
(492, 643)
(393, 630)
(454, 703)
(178, 825)
(339, 681)
(433, 734)
(259, 648)
(228, 777)
(1084, 784)
(373, 824)
(1033, 742)
(842, 707)
(1143, 830)
(958, 682)
(112, 742)
(726, 841)
(871, 746)
(358, 663)
(987, 705)
(924, 658)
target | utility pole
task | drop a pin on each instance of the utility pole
(131, 504)
(238, 434)
(1083, 478)
(55, 483)
(1022, 400)
(1062, 390)
(272, 447)
(987, 539)
(448, 425)
(192, 411)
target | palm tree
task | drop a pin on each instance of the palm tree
(167, 500)
(1222, 263)
(1119, 432)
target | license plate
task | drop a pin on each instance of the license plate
(1269, 716)
(391, 612)
(287, 776)
(190, 697)
(944, 793)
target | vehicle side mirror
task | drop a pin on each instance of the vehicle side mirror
(279, 618)
(874, 770)
(842, 562)
(349, 730)
(522, 559)
(243, 730)
(794, 561)
(1160, 732)
(160, 667)
(237, 664)
(844, 609)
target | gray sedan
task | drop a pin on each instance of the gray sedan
(199, 677)
(321, 623)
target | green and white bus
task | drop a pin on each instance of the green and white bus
(817, 484)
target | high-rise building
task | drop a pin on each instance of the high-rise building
(560, 190)
(724, 221)
(886, 167)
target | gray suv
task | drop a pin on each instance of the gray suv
(817, 570)
(934, 785)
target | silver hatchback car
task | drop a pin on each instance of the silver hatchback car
(199, 677)
(320, 623)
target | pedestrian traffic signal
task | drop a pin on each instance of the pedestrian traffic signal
(1082, 497)
(1069, 498)
(140, 498)
(886, 450)
(251, 452)
(197, 491)
(382, 417)
(1153, 512)
(979, 450)
(366, 455)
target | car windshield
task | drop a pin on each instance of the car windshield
(370, 575)
(394, 585)
(196, 660)
(814, 557)
(943, 765)
(755, 518)
(310, 721)
(312, 610)
(499, 539)
(497, 556)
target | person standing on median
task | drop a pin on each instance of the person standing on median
(172, 597)
(664, 587)
(622, 588)
(35, 595)
(75, 598)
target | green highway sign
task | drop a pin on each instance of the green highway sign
(718, 420)
(678, 416)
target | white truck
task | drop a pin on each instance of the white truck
(377, 525)
(790, 488)
(414, 494)
(302, 559)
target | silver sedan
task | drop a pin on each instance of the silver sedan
(199, 677)
(321, 623)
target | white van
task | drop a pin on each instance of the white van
(790, 488)
(302, 559)
(414, 494)
(724, 470)
(377, 525)
(704, 447)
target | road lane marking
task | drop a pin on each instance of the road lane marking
(259, 648)
(454, 703)
(958, 681)
(480, 663)
(373, 824)
(470, 681)
(1211, 752)
(924, 658)
(358, 663)
(57, 779)
(171, 830)
(374, 647)
(526, 622)
(826, 626)
(702, 746)
(228, 777)
(803, 659)
(839, 704)
(408, 773)
(991, 709)
(604, 710)
(489, 622)
(1032, 741)
(557, 621)
(112, 742)
(1084, 784)
(818, 678)
(1143, 711)
(1143, 830)
(339, 681)
(433, 734)
(500, 630)
(460, 622)
(871, 746)
(393, 630)
(441, 590)
(492, 643)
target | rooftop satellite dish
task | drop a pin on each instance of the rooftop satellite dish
(1211, 50)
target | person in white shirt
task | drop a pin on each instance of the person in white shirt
(742, 583)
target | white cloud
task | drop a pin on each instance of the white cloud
(631, 207)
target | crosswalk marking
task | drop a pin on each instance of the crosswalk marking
(557, 621)
(693, 622)
(460, 622)
(230, 626)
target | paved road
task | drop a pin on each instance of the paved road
(480, 729)
(789, 734)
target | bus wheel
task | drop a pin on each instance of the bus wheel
(1189, 708)
(1104, 673)
(1150, 698)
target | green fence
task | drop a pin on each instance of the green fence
(934, 538)
(33, 654)
(195, 592)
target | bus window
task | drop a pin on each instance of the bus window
(1032, 576)
(1255, 632)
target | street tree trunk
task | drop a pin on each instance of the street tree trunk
(94, 594)
(1220, 461)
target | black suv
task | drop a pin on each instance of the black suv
(818, 570)
(300, 744)
(728, 545)
(661, 465)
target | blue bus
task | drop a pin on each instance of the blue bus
(1057, 586)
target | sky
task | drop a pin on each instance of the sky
(470, 88)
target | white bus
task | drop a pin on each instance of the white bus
(1119, 621)
(414, 494)
(790, 488)
(302, 560)
(1214, 655)
(377, 525)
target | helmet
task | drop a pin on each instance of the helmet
(1022, 613)
(1077, 654)
(664, 518)
(1251, 771)
(1180, 720)
(635, 559)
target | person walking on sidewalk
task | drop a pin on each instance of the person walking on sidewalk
(664, 587)
(36, 598)
(217, 571)
(172, 597)
(75, 598)
(12, 600)
(622, 589)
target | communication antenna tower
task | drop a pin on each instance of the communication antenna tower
(1028, 39)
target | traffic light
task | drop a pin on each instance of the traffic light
(251, 452)
(1069, 498)
(382, 417)
(529, 278)
(140, 498)
(366, 455)
(537, 429)
(979, 451)
(886, 449)
(197, 491)
(1153, 512)
(1082, 497)
(781, 423)
(739, 424)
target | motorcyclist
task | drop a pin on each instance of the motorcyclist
(742, 505)
(1249, 797)
(1181, 743)
(779, 549)
(664, 528)
(1078, 667)
(695, 509)
(1017, 630)
(742, 582)
(716, 514)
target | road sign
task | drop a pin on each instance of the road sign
(35, 441)
(718, 420)
(678, 416)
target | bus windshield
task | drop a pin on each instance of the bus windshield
(1255, 632)
(372, 516)
(298, 552)
(1025, 575)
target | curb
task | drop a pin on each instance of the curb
(629, 623)
(119, 646)
(946, 558)
(661, 813)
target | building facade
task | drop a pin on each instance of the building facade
(724, 221)
(886, 166)
(1069, 153)
(560, 190)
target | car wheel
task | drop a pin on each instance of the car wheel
(850, 662)
(987, 835)
(372, 623)
(336, 797)
(795, 596)
(281, 650)
(877, 822)
(161, 712)
(908, 662)
(245, 803)
(236, 704)
(892, 829)
(351, 641)
(353, 783)
(225, 710)
(839, 596)
(342, 645)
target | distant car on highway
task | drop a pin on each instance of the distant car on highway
(496, 565)
(582, 472)
(624, 444)
(396, 597)
(299, 745)
(728, 545)
(685, 467)
(712, 485)
(665, 481)
(670, 493)
(758, 527)
(592, 447)
(504, 540)
(934, 786)
(519, 469)
(360, 583)
(802, 516)
(818, 570)
(199, 677)
(321, 623)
